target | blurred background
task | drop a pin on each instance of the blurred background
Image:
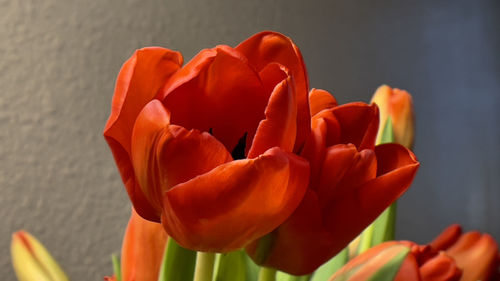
(59, 61)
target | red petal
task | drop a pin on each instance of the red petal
(300, 244)
(345, 169)
(235, 203)
(272, 47)
(359, 124)
(408, 270)
(164, 155)
(272, 75)
(440, 268)
(324, 130)
(319, 100)
(280, 127)
(350, 213)
(218, 91)
(447, 238)
(138, 82)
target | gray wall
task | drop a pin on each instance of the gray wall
(59, 59)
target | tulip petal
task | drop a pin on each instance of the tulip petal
(319, 100)
(138, 83)
(402, 117)
(354, 210)
(217, 91)
(164, 155)
(272, 75)
(359, 124)
(440, 268)
(294, 239)
(345, 168)
(142, 250)
(280, 127)
(32, 261)
(235, 203)
(314, 149)
(447, 238)
(408, 270)
(476, 254)
(379, 263)
(271, 47)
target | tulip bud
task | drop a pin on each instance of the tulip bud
(398, 105)
(385, 260)
(31, 261)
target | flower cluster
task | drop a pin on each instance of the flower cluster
(234, 153)
(232, 150)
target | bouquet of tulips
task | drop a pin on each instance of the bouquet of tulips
(238, 171)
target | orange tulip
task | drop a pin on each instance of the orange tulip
(142, 250)
(399, 261)
(351, 183)
(398, 105)
(475, 253)
(452, 256)
(208, 148)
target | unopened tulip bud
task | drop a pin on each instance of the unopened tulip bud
(31, 261)
(384, 260)
(398, 105)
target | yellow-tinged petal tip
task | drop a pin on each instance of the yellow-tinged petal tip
(31, 261)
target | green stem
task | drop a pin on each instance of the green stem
(267, 274)
(204, 266)
(366, 239)
(116, 267)
(178, 263)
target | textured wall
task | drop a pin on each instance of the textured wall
(59, 59)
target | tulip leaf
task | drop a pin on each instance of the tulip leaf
(178, 263)
(385, 226)
(282, 276)
(324, 272)
(390, 269)
(252, 269)
(231, 267)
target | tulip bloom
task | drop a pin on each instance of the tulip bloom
(142, 250)
(399, 261)
(398, 105)
(351, 183)
(452, 256)
(476, 254)
(31, 261)
(208, 148)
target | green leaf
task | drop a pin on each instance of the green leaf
(116, 267)
(324, 272)
(385, 226)
(252, 269)
(231, 267)
(178, 263)
(281, 276)
(387, 132)
(390, 269)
